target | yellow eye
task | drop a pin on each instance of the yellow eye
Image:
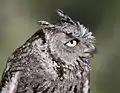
(72, 43)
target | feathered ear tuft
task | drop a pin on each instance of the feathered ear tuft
(45, 24)
(61, 13)
(64, 17)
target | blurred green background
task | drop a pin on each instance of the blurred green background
(18, 21)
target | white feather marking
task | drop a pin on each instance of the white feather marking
(89, 34)
(86, 86)
(11, 87)
(83, 30)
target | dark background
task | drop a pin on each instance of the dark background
(18, 21)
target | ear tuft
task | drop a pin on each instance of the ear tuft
(45, 24)
(64, 17)
(61, 13)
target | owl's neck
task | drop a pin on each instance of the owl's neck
(81, 76)
(78, 75)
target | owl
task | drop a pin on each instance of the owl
(56, 59)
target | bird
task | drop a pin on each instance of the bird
(55, 59)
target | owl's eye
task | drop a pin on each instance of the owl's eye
(72, 43)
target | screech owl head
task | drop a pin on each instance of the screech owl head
(68, 40)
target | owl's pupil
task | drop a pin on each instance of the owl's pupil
(71, 41)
